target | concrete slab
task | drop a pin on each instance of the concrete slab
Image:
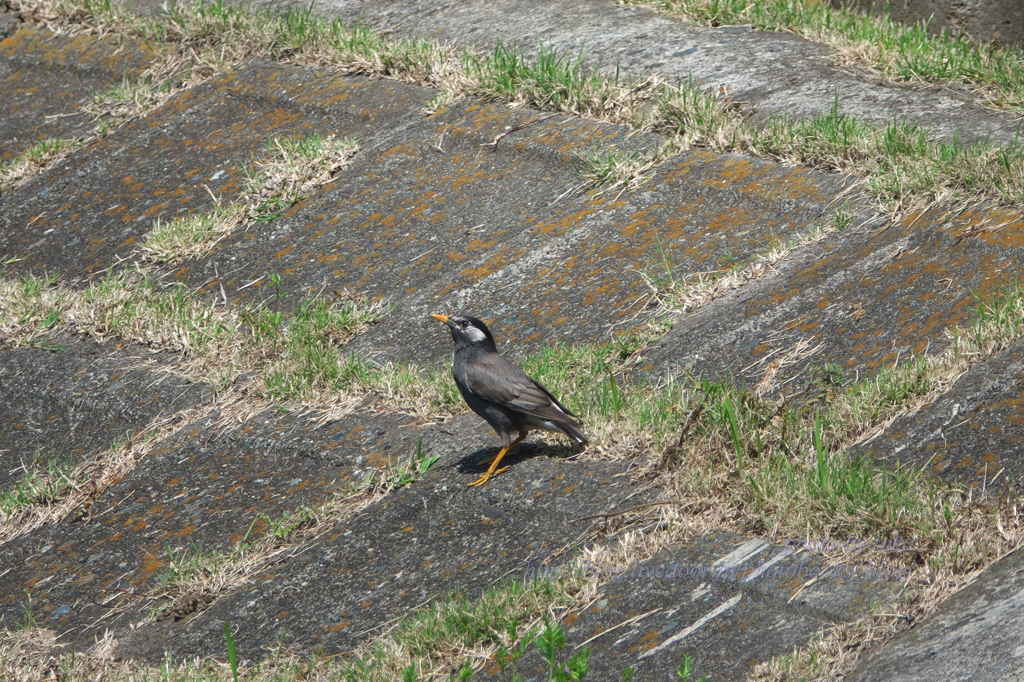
(46, 79)
(774, 73)
(430, 539)
(418, 223)
(863, 299)
(971, 434)
(728, 601)
(85, 215)
(977, 634)
(74, 402)
(200, 489)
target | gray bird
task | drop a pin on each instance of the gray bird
(500, 392)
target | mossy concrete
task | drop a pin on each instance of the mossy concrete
(970, 434)
(717, 600)
(89, 212)
(73, 400)
(47, 78)
(863, 299)
(417, 222)
(430, 539)
(769, 73)
(977, 634)
(433, 216)
(202, 490)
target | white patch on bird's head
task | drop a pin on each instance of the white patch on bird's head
(474, 334)
(469, 331)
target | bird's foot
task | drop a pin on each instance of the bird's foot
(486, 477)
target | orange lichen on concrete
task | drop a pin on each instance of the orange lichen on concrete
(187, 529)
(152, 564)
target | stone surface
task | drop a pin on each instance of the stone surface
(10, 22)
(90, 211)
(431, 539)
(727, 601)
(201, 490)
(982, 20)
(977, 634)
(774, 73)
(47, 78)
(73, 403)
(972, 434)
(863, 299)
(420, 227)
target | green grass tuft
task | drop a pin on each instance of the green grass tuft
(44, 481)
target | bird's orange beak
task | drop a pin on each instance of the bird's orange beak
(441, 318)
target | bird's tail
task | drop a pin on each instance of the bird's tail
(572, 429)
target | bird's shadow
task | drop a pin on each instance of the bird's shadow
(478, 462)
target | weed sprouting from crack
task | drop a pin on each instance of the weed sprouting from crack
(410, 471)
(43, 482)
(608, 170)
(193, 236)
(902, 167)
(128, 100)
(194, 577)
(693, 117)
(673, 295)
(292, 168)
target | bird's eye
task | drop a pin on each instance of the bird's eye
(463, 323)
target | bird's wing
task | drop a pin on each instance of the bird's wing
(494, 378)
(553, 399)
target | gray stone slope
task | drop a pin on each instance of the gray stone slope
(432, 217)
(72, 403)
(772, 73)
(429, 540)
(975, 635)
(861, 298)
(175, 162)
(971, 433)
(727, 601)
(87, 65)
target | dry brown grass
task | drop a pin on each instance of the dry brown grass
(193, 236)
(34, 655)
(286, 172)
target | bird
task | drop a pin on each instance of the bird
(501, 392)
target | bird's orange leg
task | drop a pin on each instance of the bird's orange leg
(494, 464)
